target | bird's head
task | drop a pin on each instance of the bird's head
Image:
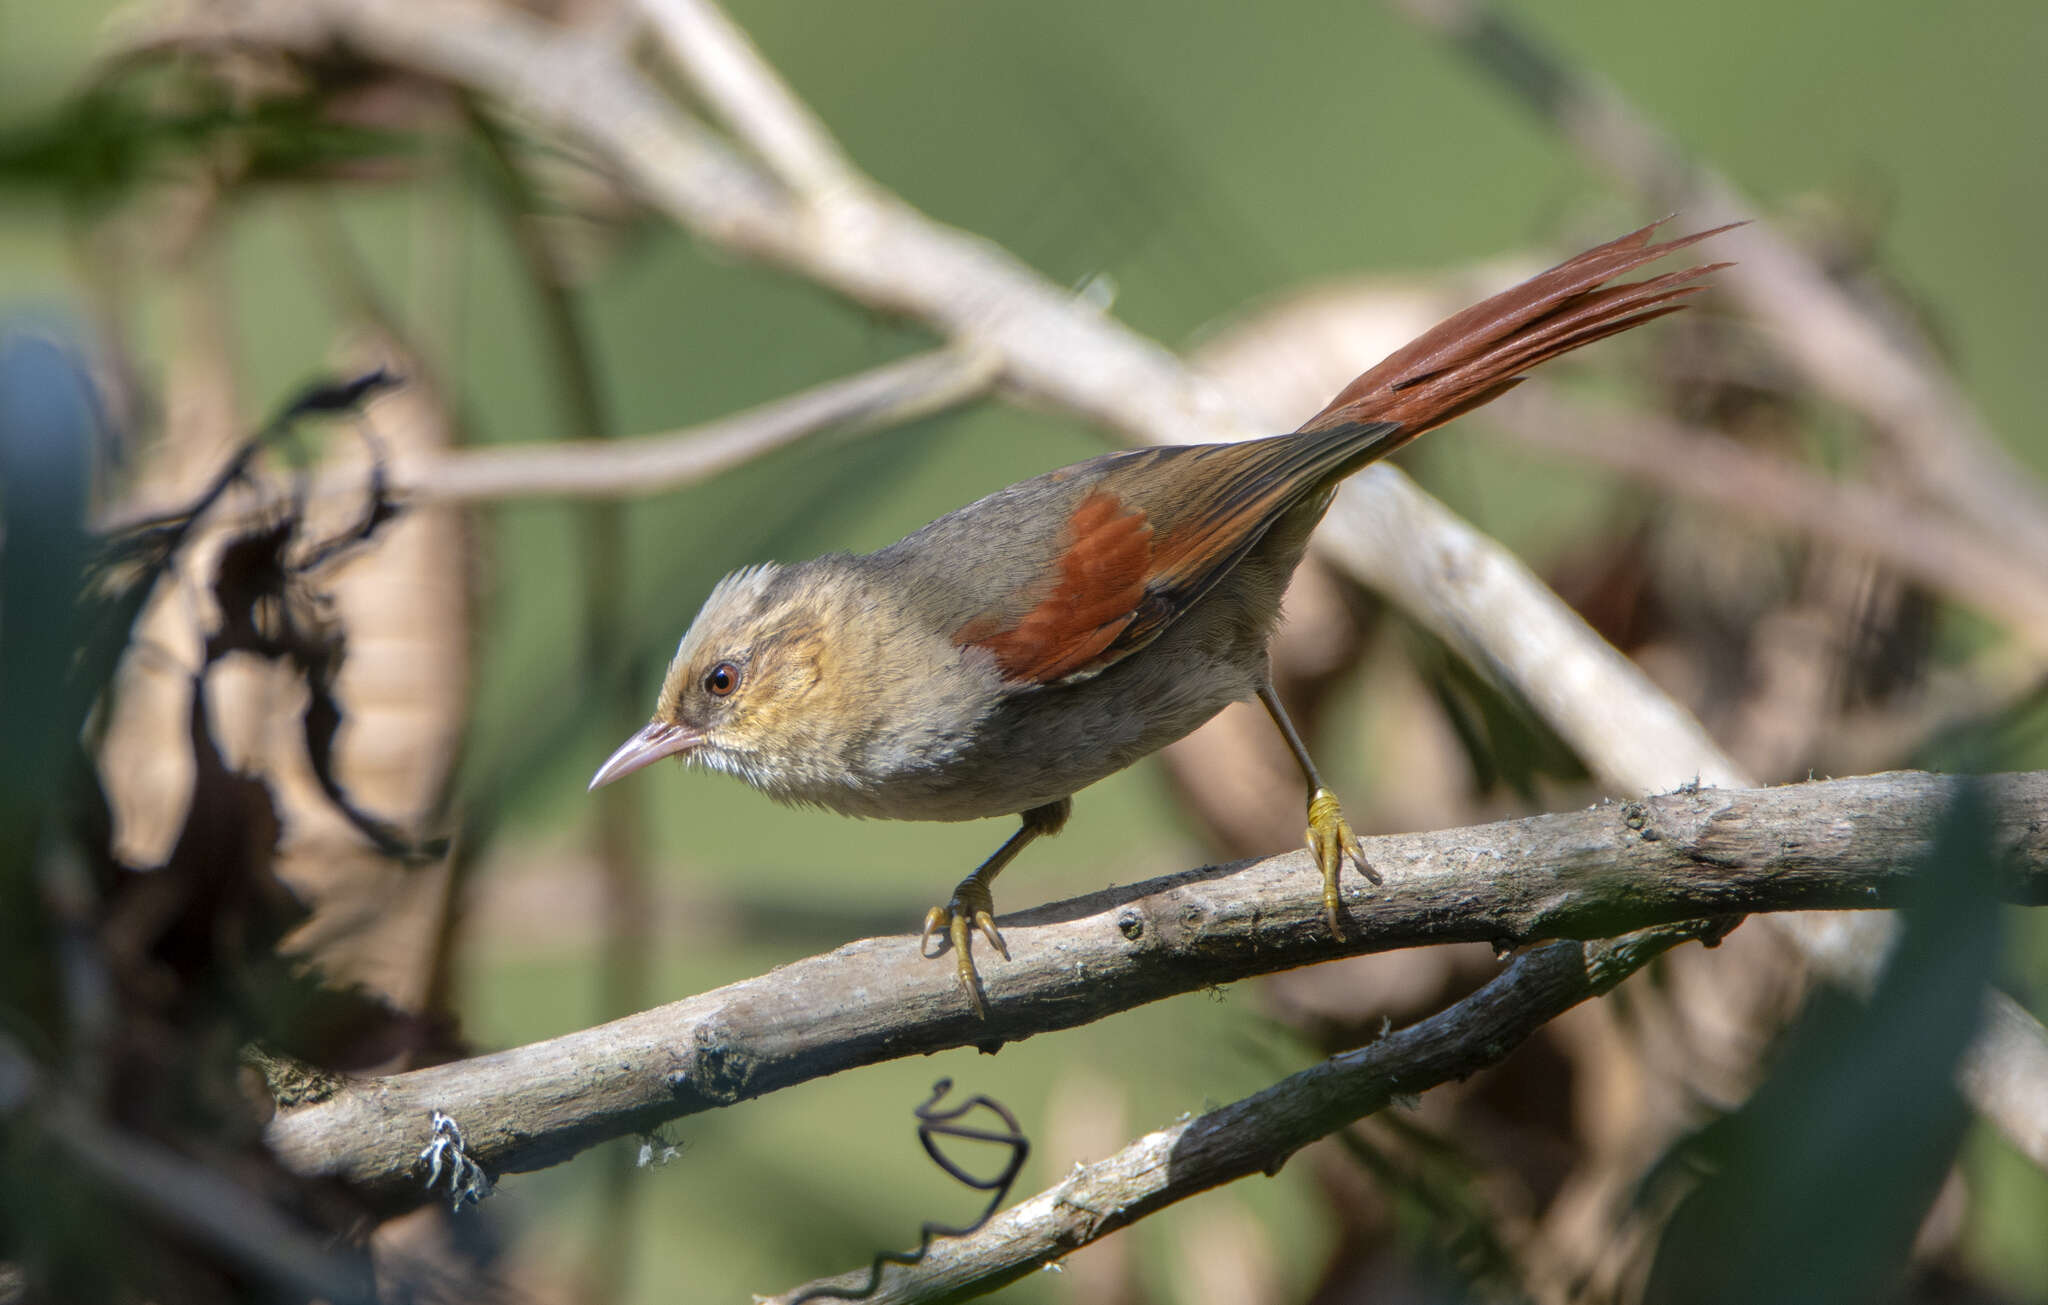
(751, 688)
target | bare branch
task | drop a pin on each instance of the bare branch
(2004, 1076)
(730, 74)
(1585, 874)
(645, 465)
(875, 250)
(1260, 1132)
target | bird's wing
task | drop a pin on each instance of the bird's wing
(1148, 533)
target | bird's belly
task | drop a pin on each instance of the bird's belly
(1039, 744)
(1044, 744)
(1019, 761)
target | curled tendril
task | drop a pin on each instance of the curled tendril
(932, 1124)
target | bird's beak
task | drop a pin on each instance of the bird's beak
(650, 745)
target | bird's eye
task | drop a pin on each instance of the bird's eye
(722, 679)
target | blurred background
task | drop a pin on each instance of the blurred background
(1281, 193)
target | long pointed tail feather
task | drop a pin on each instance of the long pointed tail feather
(1479, 354)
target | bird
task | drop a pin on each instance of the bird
(1015, 651)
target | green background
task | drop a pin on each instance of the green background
(1205, 157)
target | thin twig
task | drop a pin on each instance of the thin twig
(1258, 1133)
(1583, 874)
(932, 1124)
(644, 465)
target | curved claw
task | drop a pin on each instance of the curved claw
(1330, 839)
(971, 908)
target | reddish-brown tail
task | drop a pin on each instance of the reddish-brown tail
(1480, 354)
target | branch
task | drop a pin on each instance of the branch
(1258, 1133)
(1586, 874)
(2005, 1075)
(716, 55)
(645, 465)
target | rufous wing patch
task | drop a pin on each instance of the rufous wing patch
(1098, 583)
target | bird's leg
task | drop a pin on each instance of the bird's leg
(1329, 834)
(973, 907)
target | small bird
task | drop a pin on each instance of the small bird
(1015, 651)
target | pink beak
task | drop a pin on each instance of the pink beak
(650, 745)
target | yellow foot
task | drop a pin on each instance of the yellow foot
(1331, 839)
(972, 908)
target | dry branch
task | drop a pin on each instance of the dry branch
(645, 465)
(780, 128)
(1260, 1132)
(1587, 874)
